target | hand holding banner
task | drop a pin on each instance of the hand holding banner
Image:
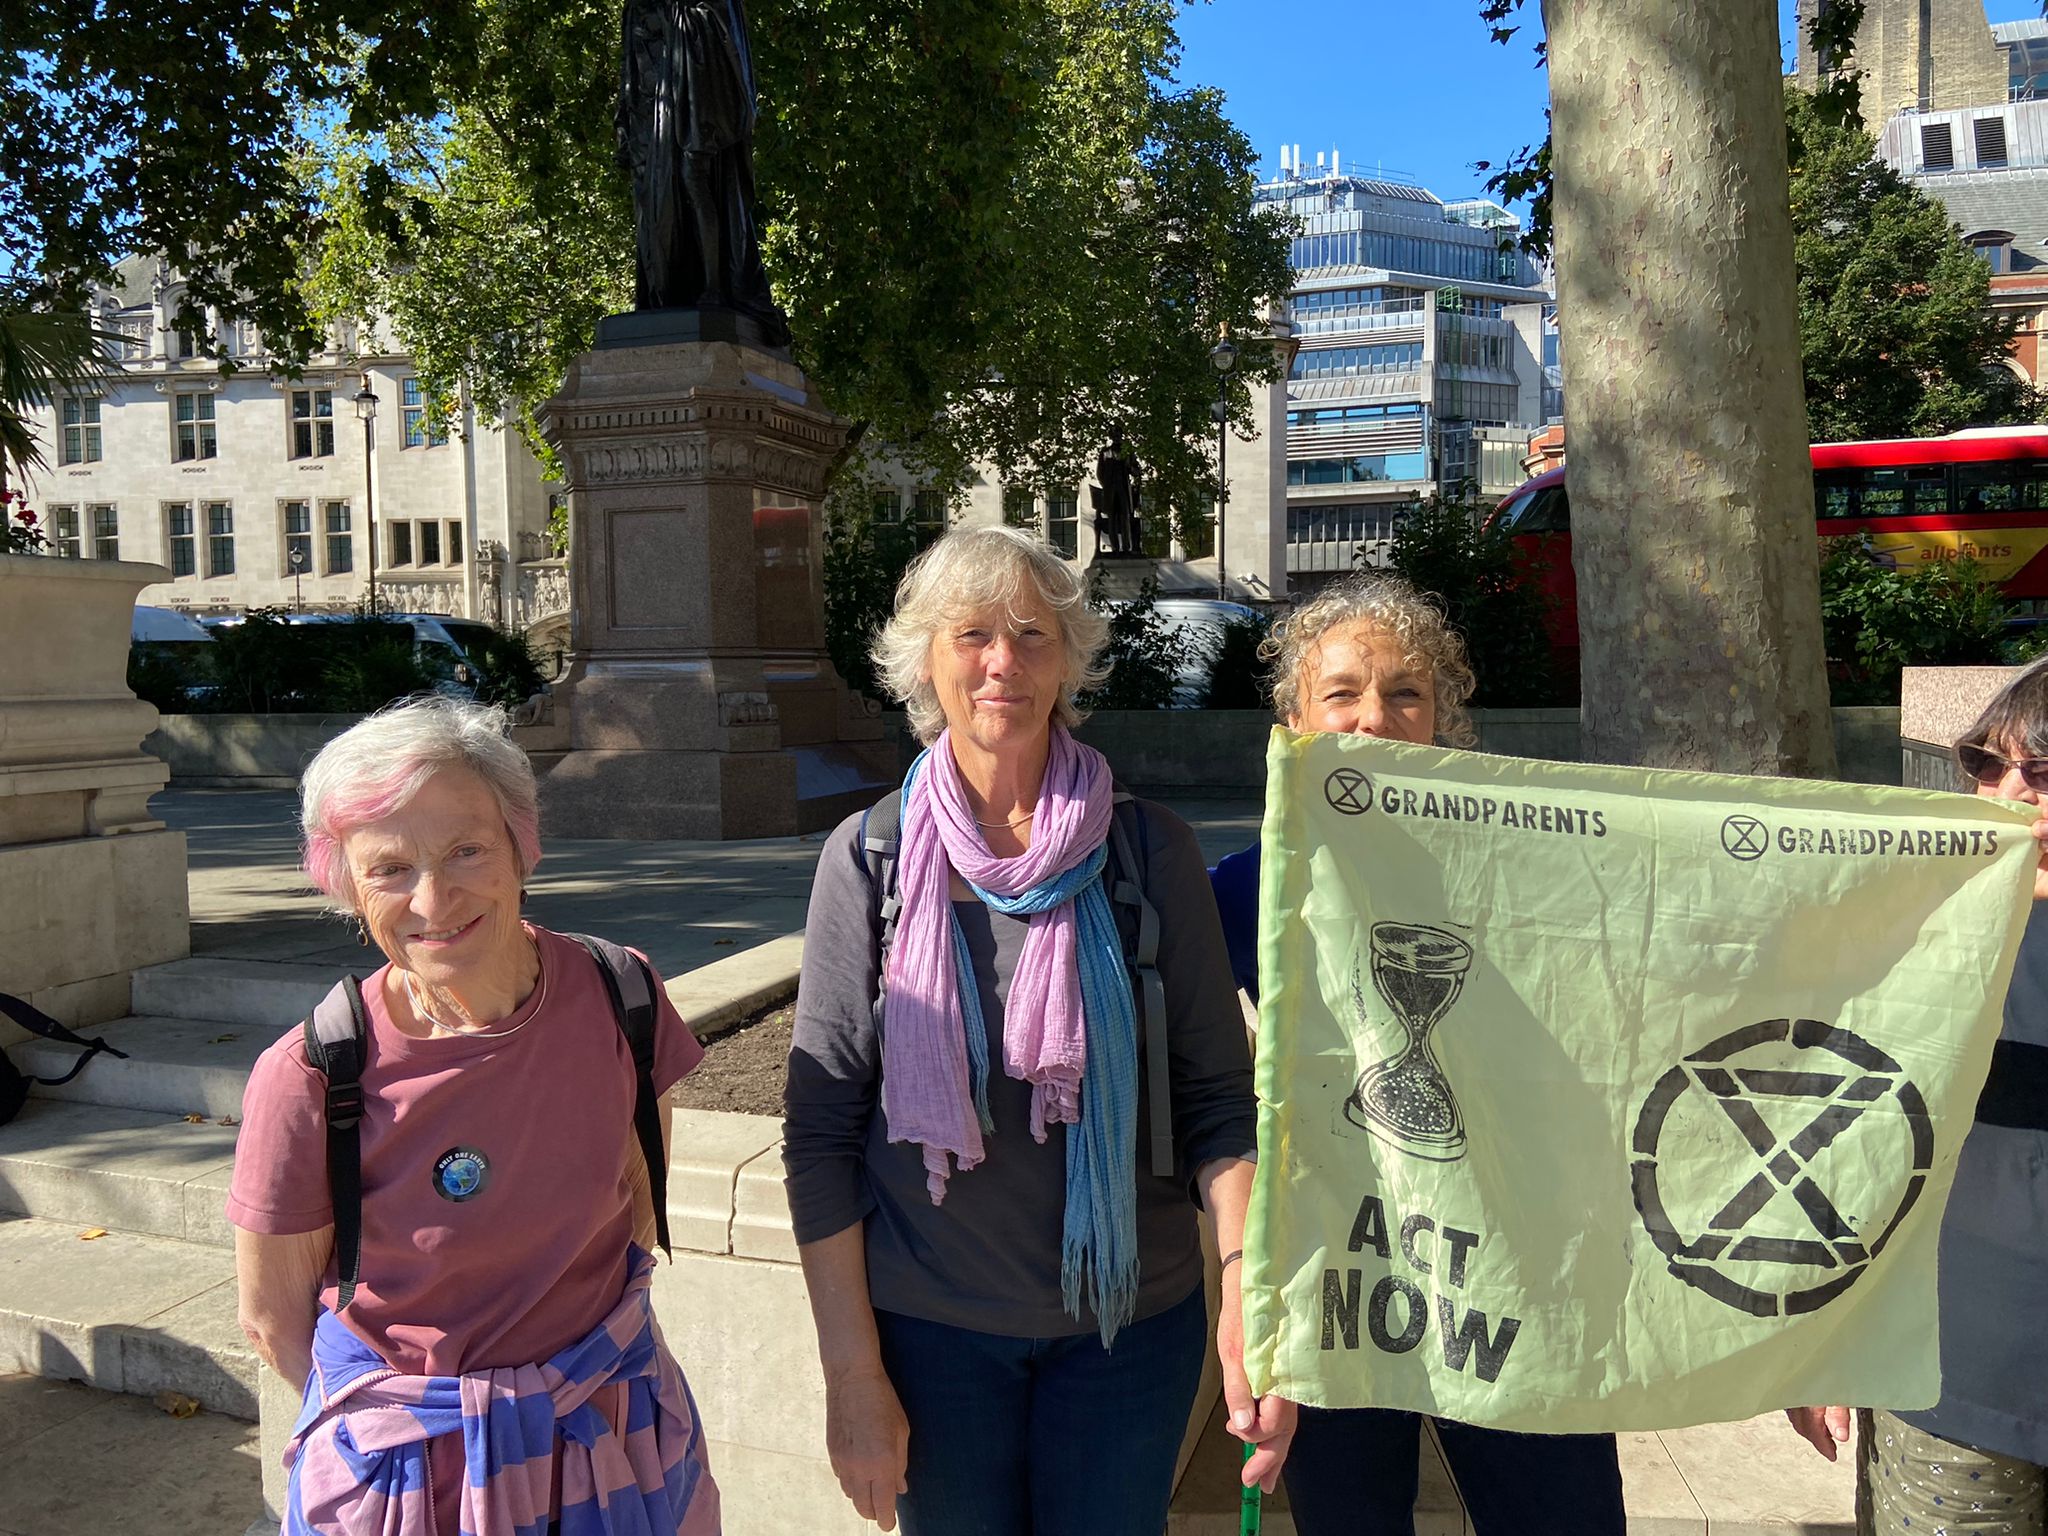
(1598, 1098)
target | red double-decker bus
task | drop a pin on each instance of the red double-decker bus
(1981, 493)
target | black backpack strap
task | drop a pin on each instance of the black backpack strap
(881, 827)
(630, 986)
(1141, 954)
(37, 1022)
(337, 1036)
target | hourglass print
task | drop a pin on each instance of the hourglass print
(1406, 1100)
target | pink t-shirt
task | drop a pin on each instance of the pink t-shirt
(497, 1207)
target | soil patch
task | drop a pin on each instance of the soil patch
(743, 1066)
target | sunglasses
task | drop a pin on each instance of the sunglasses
(1987, 767)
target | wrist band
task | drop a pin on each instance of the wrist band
(1229, 1259)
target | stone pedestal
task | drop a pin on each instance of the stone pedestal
(92, 887)
(699, 702)
(1936, 705)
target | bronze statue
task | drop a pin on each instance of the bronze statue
(1117, 499)
(686, 133)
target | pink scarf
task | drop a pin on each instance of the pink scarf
(926, 1095)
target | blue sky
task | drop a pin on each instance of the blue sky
(1414, 86)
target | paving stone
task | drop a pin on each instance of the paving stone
(123, 1465)
(1658, 1501)
(31, 1405)
(100, 1166)
(1758, 1478)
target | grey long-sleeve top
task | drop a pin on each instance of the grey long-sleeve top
(989, 1258)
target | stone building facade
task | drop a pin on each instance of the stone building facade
(1924, 55)
(254, 489)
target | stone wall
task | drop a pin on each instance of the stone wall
(242, 751)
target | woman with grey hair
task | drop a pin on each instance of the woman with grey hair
(1978, 1459)
(479, 1347)
(1372, 656)
(1008, 1297)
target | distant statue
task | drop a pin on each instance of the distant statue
(686, 133)
(1117, 495)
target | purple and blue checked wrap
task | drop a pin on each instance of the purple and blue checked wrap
(358, 1454)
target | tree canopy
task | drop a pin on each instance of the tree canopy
(998, 227)
(1894, 327)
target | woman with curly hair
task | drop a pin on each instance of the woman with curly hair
(1371, 655)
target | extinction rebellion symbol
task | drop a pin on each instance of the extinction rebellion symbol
(1348, 791)
(1744, 838)
(1840, 1142)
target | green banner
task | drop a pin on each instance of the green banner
(1601, 1098)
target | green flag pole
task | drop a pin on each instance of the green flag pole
(1248, 1503)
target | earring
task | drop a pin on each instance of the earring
(362, 933)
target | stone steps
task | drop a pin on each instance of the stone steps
(267, 994)
(124, 1312)
(133, 1170)
(175, 1066)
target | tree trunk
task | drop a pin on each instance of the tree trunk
(1692, 493)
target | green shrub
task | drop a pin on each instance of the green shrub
(257, 661)
(380, 668)
(1878, 619)
(508, 673)
(175, 677)
(1142, 652)
(865, 556)
(1492, 598)
(1237, 678)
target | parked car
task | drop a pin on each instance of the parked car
(170, 659)
(1197, 624)
(166, 626)
(442, 643)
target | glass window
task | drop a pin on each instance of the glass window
(312, 423)
(430, 543)
(1882, 491)
(454, 541)
(1063, 523)
(298, 538)
(887, 506)
(220, 539)
(2030, 478)
(64, 531)
(81, 431)
(106, 532)
(423, 426)
(178, 530)
(194, 419)
(1986, 488)
(400, 536)
(1020, 508)
(341, 543)
(928, 515)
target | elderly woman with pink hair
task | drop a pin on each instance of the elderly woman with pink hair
(481, 1354)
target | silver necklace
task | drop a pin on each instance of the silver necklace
(1016, 822)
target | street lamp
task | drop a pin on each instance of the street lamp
(366, 407)
(1223, 358)
(297, 561)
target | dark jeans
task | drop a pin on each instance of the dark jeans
(1043, 1437)
(1353, 1472)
